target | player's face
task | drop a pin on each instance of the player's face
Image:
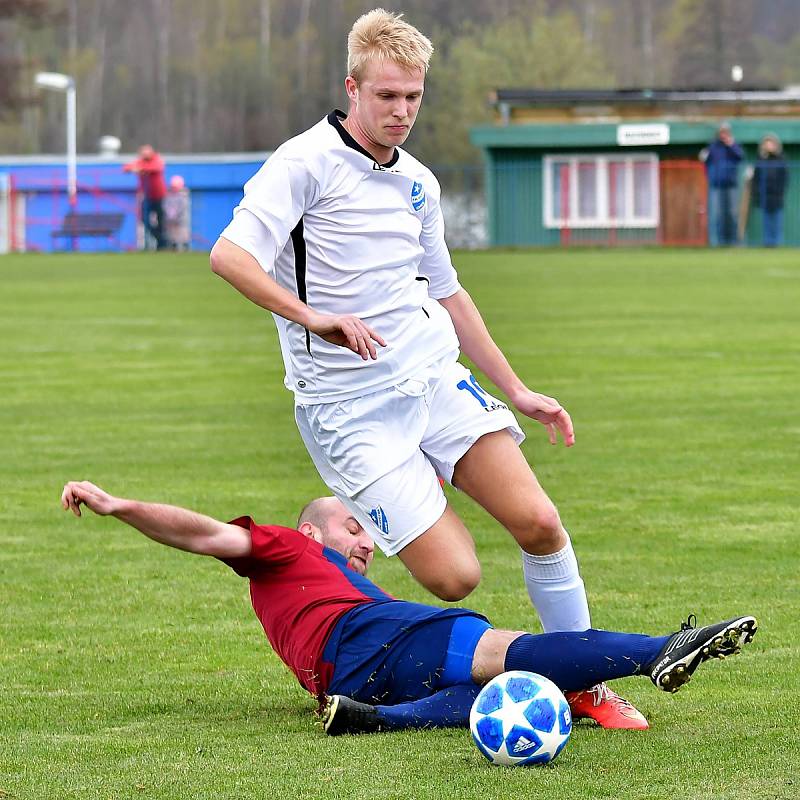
(345, 535)
(384, 105)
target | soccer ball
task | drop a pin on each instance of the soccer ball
(520, 718)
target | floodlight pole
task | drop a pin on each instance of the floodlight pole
(72, 157)
(65, 83)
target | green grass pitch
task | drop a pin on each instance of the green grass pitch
(131, 671)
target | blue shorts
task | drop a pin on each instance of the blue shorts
(392, 651)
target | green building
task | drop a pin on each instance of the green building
(623, 166)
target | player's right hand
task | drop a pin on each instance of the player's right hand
(77, 493)
(347, 331)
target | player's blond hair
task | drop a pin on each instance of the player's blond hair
(384, 36)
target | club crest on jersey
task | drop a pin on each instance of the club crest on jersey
(417, 196)
(379, 518)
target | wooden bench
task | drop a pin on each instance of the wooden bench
(78, 224)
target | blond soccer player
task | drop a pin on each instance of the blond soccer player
(340, 235)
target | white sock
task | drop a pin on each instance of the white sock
(556, 590)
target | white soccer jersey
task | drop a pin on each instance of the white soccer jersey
(349, 236)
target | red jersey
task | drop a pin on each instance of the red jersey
(300, 590)
(151, 176)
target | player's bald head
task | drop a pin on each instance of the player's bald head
(318, 512)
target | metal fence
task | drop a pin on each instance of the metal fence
(560, 201)
(39, 205)
(617, 201)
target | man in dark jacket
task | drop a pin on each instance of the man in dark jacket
(722, 159)
(770, 179)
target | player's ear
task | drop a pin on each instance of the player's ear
(351, 87)
(312, 531)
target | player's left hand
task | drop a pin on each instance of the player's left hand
(549, 412)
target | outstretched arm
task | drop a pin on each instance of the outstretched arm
(478, 344)
(170, 525)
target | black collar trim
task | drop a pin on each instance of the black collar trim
(335, 117)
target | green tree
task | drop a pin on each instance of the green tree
(543, 52)
(778, 65)
(208, 75)
(13, 61)
(705, 38)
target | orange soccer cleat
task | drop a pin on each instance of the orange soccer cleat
(606, 708)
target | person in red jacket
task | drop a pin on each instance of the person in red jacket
(377, 663)
(149, 166)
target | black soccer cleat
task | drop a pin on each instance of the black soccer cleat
(691, 646)
(341, 715)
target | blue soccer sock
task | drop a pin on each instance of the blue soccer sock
(447, 708)
(577, 660)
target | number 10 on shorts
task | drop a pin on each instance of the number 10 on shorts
(474, 388)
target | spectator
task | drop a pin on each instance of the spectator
(722, 157)
(149, 166)
(770, 179)
(176, 214)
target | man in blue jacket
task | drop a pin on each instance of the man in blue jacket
(722, 157)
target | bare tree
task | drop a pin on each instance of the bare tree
(264, 33)
(162, 19)
(223, 74)
(13, 15)
(305, 42)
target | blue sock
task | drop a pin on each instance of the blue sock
(447, 708)
(580, 659)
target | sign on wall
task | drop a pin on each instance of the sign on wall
(642, 135)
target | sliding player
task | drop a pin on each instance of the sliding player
(380, 664)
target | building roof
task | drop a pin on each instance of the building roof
(602, 133)
(591, 117)
(558, 97)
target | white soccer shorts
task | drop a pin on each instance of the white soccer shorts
(380, 454)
